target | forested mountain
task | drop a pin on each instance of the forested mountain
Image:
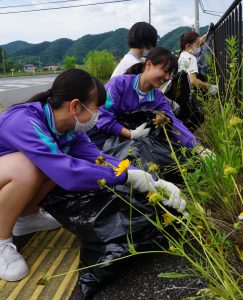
(54, 52)
(15, 46)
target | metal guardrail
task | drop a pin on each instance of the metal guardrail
(230, 24)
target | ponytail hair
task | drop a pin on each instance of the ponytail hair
(158, 56)
(71, 84)
(188, 38)
(136, 69)
(41, 97)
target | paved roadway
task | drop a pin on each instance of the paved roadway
(18, 89)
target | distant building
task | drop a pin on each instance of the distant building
(52, 67)
(29, 68)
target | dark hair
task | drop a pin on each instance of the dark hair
(142, 35)
(188, 38)
(158, 56)
(71, 84)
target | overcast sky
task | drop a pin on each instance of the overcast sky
(73, 23)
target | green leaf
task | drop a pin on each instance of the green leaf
(173, 275)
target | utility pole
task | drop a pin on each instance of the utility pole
(196, 16)
(3, 63)
(149, 12)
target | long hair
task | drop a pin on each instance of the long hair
(71, 84)
(158, 56)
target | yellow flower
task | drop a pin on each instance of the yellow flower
(101, 183)
(100, 160)
(240, 217)
(122, 167)
(44, 280)
(130, 151)
(161, 119)
(228, 170)
(152, 167)
(235, 121)
(168, 218)
(154, 197)
(172, 249)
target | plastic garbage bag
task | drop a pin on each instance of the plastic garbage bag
(102, 221)
(206, 55)
(153, 148)
(179, 90)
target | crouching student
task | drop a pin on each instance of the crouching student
(130, 92)
(42, 144)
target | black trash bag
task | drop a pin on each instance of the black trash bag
(153, 148)
(98, 137)
(206, 55)
(101, 220)
(191, 112)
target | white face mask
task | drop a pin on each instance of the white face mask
(85, 127)
(195, 51)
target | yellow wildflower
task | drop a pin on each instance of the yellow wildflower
(168, 218)
(130, 151)
(154, 197)
(44, 280)
(152, 167)
(228, 170)
(122, 167)
(161, 119)
(100, 160)
(101, 183)
(240, 217)
(235, 121)
(172, 249)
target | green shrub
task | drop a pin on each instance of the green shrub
(100, 64)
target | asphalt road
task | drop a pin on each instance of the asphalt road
(19, 89)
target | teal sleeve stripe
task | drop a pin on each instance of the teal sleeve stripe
(47, 140)
(108, 102)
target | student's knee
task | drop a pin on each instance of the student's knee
(20, 169)
(30, 173)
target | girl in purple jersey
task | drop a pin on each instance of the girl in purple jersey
(42, 144)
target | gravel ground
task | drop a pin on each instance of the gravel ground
(140, 281)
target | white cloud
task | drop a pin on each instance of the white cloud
(73, 23)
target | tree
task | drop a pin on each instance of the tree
(69, 62)
(100, 64)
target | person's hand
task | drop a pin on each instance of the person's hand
(175, 199)
(206, 153)
(175, 107)
(141, 181)
(140, 132)
(213, 89)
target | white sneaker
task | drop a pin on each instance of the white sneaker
(37, 222)
(12, 265)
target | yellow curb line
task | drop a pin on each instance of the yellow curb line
(22, 283)
(54, 266)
